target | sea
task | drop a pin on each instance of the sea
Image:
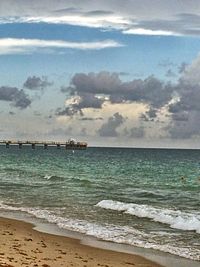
(145, 198)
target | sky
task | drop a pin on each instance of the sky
(108, 72)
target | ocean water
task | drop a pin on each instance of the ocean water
(147, 198)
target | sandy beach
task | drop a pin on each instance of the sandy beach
(21, 245)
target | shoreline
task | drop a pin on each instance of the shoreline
(154, 256)
(22, 245)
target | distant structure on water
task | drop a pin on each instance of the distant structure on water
(70, 144)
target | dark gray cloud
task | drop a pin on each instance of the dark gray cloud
(68, 10)
(185, 111)
(95, 13)
(8, 93)
(149, 115)
(90, 119)
(96, 83)
(17, 97)
(88, 87)
(68, 111)
(187, 126)
(109, 128)
(181, 99)
(180, 116)
(87, 100)
(37, 83)
(21, 100)
(189, 98)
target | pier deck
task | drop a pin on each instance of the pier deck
(68, 145)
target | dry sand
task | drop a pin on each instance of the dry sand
(21, 245)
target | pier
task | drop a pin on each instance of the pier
(71, 144)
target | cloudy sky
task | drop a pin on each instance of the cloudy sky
(109, 72)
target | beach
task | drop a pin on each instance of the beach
(21, 245)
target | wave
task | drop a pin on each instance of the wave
(83, 181)
(52, 177)
(175, 218)
(150, 194)
(107, 232)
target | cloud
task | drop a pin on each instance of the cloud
(109, 129)
(175, 104)
(97, 13)
(68, 10)
(149, 115)
(143, 31)
(93, 89)
(185, 109)
(170, 74)
(68, 111)
(17, 97)
(96, 83)
(90, 119)
(36, 83)
(85, 20)
(191, 73)
(27, 46)
(137, 132)
(177, 24)
(134, 17)
(182, 67)
(86, 100)
(181, 116)
(64, 89)
(185, 126)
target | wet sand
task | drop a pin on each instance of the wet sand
(21, 245)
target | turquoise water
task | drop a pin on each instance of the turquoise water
(143, 197)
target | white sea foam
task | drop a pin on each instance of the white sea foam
(48, 177)
(107, 232)
(175, 218)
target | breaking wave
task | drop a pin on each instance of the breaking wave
(175, 218)
(107, 232)
(52, 177)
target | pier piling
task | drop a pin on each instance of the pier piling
(71, 144)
